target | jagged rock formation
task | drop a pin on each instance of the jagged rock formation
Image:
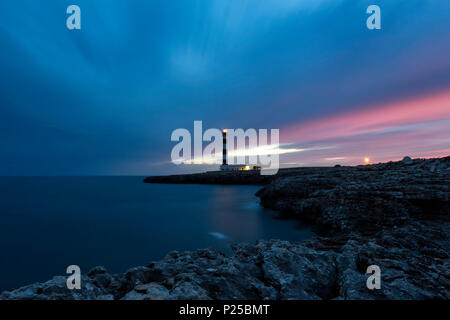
(364, 199)
(394, 215)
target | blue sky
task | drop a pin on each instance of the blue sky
(104, 100)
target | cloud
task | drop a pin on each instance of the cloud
(256, 151)
(139, 69)
(417, 127)
(375, 119)
(189, 65)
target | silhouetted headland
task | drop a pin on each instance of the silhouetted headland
(251, 177)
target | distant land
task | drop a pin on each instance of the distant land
(231, 177)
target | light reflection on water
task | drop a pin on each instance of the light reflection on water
(120, 222)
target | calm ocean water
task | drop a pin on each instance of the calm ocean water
(48, 223)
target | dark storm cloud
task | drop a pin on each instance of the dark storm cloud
(105, 99)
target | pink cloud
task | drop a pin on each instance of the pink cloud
(418, 127)
(373, 119)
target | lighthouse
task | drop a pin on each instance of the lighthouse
(236, 167)
(224, 150)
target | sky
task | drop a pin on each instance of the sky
(104, 100)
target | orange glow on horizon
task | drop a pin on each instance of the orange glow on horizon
(367, 160)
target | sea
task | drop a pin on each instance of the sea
(49, 223)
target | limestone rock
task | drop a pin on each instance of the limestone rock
(394, 215)
(150, 291)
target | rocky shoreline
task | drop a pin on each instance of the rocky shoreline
(394, 215)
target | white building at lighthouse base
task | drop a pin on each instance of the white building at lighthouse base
(239, 167)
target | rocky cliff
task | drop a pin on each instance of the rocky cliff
(394, 215)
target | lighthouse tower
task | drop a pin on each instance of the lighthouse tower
(233, 167)
(224, 151)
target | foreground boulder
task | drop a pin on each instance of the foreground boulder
(275, 269)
